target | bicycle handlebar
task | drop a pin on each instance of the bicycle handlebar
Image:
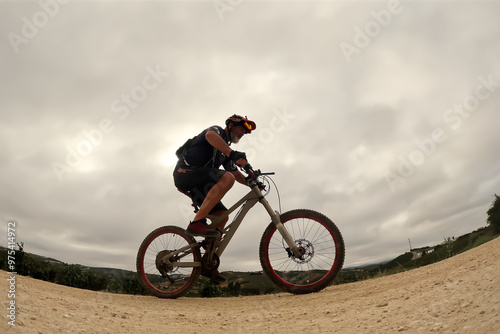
(254, 174)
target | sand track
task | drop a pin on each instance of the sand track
(458, 295)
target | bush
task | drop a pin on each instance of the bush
(208, 290)
(132, 285)
(494, 214)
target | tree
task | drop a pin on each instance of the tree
(71, 275)
(131, 284)
(494, 214)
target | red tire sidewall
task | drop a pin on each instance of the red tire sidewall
(315, 284)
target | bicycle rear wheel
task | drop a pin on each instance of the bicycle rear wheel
(321, 245)
(175, 276)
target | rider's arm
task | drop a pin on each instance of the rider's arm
(239, 177)
(216, 141)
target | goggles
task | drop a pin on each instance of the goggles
(247, 126)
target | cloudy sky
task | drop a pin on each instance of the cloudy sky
(383, 115)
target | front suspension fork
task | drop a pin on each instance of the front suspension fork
(275, 217)
(286, 236)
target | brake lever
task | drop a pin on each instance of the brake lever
(251, 173)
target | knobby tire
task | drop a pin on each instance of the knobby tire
(321, 242)
(167, 239)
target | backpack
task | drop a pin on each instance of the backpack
(182, 151)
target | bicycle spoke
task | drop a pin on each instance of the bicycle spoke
(316, 238)
(159, 274)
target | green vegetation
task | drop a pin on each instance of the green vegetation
(258, 283)
(239, 283)
(450, 247)
(73, 275)
(494, 214)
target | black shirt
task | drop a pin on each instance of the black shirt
(201, 154)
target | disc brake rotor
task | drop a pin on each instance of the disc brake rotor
(306, 250)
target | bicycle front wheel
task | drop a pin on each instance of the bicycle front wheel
(321, 246)
(167, 267)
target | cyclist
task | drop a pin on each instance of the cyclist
(197, 172)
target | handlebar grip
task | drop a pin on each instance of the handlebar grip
(254, 174)
(249, 170)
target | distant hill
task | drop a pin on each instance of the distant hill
(242, 283)
(425, 255)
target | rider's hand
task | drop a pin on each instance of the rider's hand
(242, 162)
(239, 157)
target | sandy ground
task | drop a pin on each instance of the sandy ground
(459, 295)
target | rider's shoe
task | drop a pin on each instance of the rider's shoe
(214, 275)
(199, 228)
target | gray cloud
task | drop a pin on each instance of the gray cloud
(330, 128)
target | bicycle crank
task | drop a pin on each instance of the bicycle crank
(210, 262)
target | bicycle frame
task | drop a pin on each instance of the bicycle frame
(248, 201)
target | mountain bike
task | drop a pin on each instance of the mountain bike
(301, 251)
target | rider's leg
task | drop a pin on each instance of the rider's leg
(198, 227)
(223, 222)
(214, 195)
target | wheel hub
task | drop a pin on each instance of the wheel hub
(306, 250)
(164, 267)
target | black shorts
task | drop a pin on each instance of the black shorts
(198, 182)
